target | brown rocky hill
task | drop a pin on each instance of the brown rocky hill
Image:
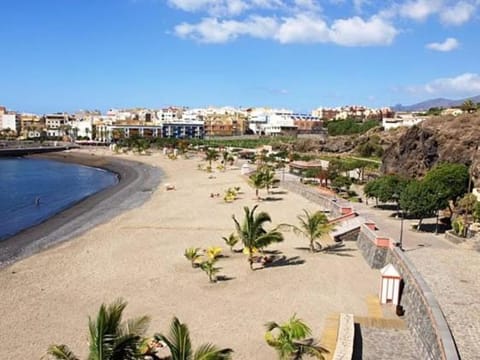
(438, 139)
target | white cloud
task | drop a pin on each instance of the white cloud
(448, 45)
(211, 30)
(357, 32)
(462, 85)
(419, 9)
(301, 28)
(458, 14)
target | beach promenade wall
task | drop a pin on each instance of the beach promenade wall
(423, 314)
(337, 207)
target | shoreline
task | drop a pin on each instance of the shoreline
(136, 182)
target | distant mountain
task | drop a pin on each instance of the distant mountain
(439, 102)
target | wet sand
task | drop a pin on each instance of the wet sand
(136, 181)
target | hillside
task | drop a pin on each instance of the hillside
(432, 103)
(438, 139)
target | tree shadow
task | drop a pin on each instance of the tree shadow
(283, 261)
(432, 228)
(271, 198)
(337, 249)
(272, 252)
(222, 278)
(278, 192)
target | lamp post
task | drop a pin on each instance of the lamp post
(396, 197)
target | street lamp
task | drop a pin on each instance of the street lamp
(396, 197)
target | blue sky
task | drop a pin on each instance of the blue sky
(65, 55)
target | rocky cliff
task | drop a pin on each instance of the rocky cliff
(439, 139)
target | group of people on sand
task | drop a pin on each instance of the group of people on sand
(212, 195)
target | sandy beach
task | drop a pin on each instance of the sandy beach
(138, 255)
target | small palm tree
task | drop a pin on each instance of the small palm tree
(231, 240)
(292, 340)
(214, 252)
(257, 182)
(180, 346)
(252, 233)
(110, 338)
(313, 226)
(211, 155)
(192, 254)
(268, 176)
(210, 269)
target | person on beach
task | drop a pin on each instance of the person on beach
(37, 201)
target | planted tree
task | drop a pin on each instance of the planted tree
(180, 346)
(449, 182)
(110, 337)
(419, 200)
(257, 182)
(268, 177)
(292, 340)
(313, 227)
(231, 240)
(210, 269)
(211, 155)
(253, 234)
(192, 254)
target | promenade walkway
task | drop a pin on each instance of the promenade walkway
(450, 270)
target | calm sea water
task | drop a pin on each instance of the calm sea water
(32, 190)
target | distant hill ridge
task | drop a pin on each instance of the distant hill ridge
(439, 102)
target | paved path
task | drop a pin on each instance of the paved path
(450, 270)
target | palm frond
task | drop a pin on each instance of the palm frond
(126, 347)
(178, 340)
(61, 352)
(137, 326)
(211, 352)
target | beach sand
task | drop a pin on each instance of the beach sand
(138, 255)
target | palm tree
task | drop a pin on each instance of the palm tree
(253, 235)
(313, 226)
(291, 340)
(211, 155)
(192, 254)
(231, 241)
(110, 338)
(180, 346)
(257, 182)
(210, 269)
(268, 178)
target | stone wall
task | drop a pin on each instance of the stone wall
(374, 256)
(349, 236)
(423, 314)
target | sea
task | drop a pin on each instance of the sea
(33, 190)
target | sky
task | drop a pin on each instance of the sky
(67, 55)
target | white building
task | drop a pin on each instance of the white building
(10, 121)
(271, 121)
(402, 119)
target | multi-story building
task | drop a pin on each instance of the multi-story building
(58, 124)
(10, 122)
(308, 124)
(272, 122)
(32, 125)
